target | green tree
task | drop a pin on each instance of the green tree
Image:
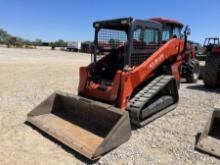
(20, 41)
(87, 42)
(60, 43)
(11, 41)
(28, 42)
(15, 41)
(38, 42)
(4, 36)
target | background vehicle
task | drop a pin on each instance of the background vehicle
(208, 44)
(133, 70)
(74, 46)
(211, 75)
(198, 47)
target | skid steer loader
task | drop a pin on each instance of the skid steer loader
(133, 77)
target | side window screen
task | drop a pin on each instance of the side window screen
(137, 39)
(111, 39)
(108, 40)
(151, 36)
(145, 43)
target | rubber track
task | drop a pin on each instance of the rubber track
(136, 104)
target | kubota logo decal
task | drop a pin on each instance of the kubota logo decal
(157, 61)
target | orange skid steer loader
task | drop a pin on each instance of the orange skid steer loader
(133, 77)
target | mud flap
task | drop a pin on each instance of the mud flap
(89, 127)
(209, 140)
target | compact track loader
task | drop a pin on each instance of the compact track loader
(133, 77)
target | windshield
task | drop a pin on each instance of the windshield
(166, 33)
(111, 39)
(170, 32)
(212, 41)
(145, 43)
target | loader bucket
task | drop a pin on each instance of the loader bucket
(209, 140)
(89, 127)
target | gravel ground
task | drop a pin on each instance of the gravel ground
(29, 76)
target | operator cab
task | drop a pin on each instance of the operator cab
(211, 41)
(121, 44)
(171, 28)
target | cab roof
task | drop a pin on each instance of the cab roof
(163, 20)
(123, 23)
(120, 23)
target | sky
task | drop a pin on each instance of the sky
(71, 20)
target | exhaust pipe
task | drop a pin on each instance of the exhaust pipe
(89, 127)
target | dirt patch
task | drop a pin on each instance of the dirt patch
(28, 76)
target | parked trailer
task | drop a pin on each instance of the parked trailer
(74, 46)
